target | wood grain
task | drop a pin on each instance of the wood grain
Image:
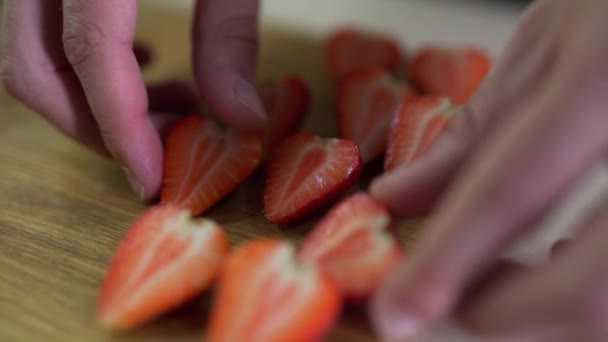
(63, 209)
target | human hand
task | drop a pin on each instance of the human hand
(72, 62)
(538, 123)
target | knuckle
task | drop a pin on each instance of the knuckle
(80, 40)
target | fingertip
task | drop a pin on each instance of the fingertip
(140, 153)
(413, 189)
(254, 115)
(135, 143)
(406, 193)
(233, 99)
(411, 300)
(137, 187)
(378, 187)
(145, 186)
(390, 319)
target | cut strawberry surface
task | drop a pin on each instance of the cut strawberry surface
(456, 73)
(307, 171)
(205, 162)
(349, 50)
(265, 294)
(416, 127)
(165, 259)
(353, 244)
(367, 102)
(286, 104)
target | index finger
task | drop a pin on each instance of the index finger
(98, 39)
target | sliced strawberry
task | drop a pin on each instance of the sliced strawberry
(205, 162)
(286, 104)
(456, 73)
(416, 126)
(367, 102)
(165, 259)
(307, 171)
(353, 245)
(265, 294)
(348, 50)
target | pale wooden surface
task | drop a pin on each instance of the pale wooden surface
(63, 210)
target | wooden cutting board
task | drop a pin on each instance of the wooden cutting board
(63, 209)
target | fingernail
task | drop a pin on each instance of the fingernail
(247, 95)
(375, 183)
(375, 187)
(398, 326)
(137, 187)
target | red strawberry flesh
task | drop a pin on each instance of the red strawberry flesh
(286, 104)
(265, 294)
(349, 50)
(451, 72)
(353, 244)
(307, 171)
(164, 260)
(205, 162)
(367, 102)
(416, 127)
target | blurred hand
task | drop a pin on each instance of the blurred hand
(72, 61)
(538, 123)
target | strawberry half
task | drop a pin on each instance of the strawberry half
(165, 259)
(367, 102)
(265, 294)
(286, 104)
(307, 171)
(348, 50)
(456, 73)
(205, 162)
(352, 244)
(416, 126)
